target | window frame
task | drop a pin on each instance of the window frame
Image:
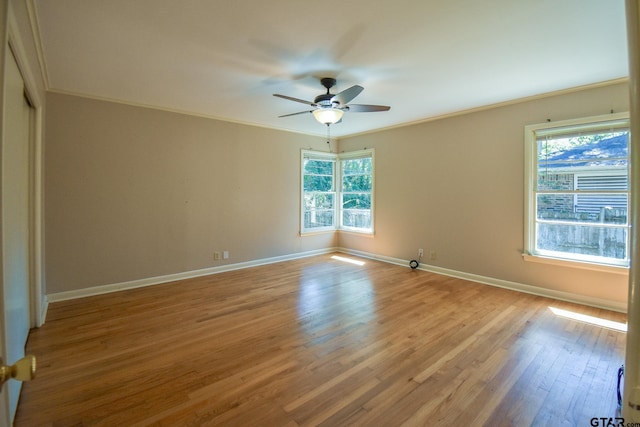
(531, 135)
(361, 154)
(338, 190)
(315, 155)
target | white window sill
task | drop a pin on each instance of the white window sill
(356, 232)
(339, 230)
(576, 264)
(316, 232)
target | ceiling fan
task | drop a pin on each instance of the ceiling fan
(329, 107)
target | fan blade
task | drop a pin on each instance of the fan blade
(295, 114)
(362, 108)
(295, 99)
(347, 94)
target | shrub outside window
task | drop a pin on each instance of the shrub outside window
(577, 190)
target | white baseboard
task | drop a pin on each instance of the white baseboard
(520, 287)
(515, 286)
(132, 284)
(43, 310)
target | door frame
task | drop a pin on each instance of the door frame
(36, 191)
(11, 43)
(38, 301)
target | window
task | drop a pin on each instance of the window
(354, 192)
(318, 192)
(577, 190)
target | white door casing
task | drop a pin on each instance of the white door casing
(15, 221)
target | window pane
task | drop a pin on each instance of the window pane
(605, 207)
(558, 206)
(555, 181)
(585, 208)
(318, 218)
(356, 201)
(318, 167)
(318, 201)
(602, 182)
(609, 242)
(356, 166)
(356, 183)
(356, 218)
(318, 183)
(583, 151)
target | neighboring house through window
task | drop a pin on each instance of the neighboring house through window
(577, 190)
(337, 191)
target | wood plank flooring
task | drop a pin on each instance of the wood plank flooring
(319, 341)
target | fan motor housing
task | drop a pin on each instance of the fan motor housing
(324, 100)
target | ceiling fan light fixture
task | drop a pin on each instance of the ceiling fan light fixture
(328, 116)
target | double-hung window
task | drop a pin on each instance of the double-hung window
(337, 191)
(356, 191)
(577, 190)
(318, 192)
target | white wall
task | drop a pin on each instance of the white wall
(456, 186)
(134, 193)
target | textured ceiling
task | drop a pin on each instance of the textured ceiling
(424, 58)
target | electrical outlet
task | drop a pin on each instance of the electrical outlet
(216, 256)
(433, 255)
(225, 255)
(420, 252)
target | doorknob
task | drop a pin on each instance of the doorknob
(23, 370)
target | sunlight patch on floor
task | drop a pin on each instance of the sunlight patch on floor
(592, 320)
(349, 260)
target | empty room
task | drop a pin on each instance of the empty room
(293, 214)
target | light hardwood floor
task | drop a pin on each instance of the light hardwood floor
(319, 341)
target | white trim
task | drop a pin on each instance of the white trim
(5, 418)
(183, 112)
(115, 287)
(531, 133)
(337, 159)
(377, 257)
(349, 155)
(495, 105)
(36, 163)
(506, 284)
(19, 52)
(515, 286)
(44, 308)
(324, 230)
(37, 41)
(324, 156)
(348, 135)
(356, 232)
(572, 263)
(570, 127)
